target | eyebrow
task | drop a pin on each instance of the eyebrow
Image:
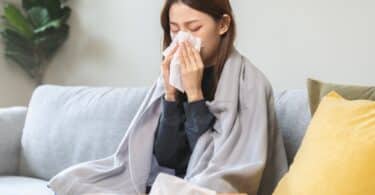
(188, 22)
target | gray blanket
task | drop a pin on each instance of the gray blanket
(243, 152)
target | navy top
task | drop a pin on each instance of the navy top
(180, 125)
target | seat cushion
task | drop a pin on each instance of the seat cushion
(69, 125)
(13, 185)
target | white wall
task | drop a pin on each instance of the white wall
(291, 40)
(118, 43)
(112, 42)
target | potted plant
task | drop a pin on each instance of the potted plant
(32, 35)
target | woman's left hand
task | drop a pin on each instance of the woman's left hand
(191, 71)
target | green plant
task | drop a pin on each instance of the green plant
(33, 35)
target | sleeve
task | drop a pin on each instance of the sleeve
(171, 147)
(198, 120)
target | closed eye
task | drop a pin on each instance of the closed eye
(175, 30)
(196, 29)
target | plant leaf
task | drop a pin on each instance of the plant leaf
(49, 41)
(14, 40)
(53, 24)
(28, 4)
(65, 14)
(53, 7)
(19, 49)
(15, 18)
(38, 16)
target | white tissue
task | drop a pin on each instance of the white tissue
(174, 74)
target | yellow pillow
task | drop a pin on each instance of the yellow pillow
(337, 154)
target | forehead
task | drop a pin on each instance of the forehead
(181, 13)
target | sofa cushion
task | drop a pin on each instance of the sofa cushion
(11, 124)
(293, 116)
(68, 125)
(13, 185)
(337, 154)
(318, 89)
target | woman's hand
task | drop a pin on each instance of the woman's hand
(191, 71)
(170, 91)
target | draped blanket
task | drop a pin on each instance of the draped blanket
(243, 152)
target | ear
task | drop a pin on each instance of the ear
(224, 24)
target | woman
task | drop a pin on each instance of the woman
(220, 134)
(185, 116)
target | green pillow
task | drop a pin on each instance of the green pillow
(318, 89)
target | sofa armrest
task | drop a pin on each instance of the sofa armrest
(12, 120)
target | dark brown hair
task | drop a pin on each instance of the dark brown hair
(216, 9)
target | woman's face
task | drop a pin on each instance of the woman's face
(202, 25)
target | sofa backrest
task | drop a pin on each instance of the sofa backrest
(68, 125)
(12, 120)
(293, 118)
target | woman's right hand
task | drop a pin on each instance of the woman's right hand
(170, 91)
